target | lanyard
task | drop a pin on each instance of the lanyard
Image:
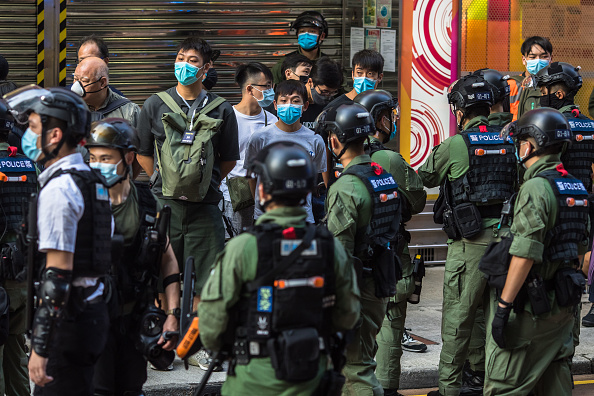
(192, 109)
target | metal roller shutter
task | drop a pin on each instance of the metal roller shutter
(18, 39)
(142, 35)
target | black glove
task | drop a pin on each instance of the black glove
(498, 326)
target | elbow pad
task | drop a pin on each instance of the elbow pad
(53, 293)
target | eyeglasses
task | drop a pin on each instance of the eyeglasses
(84, 80)
(267, 86)
(326, 92)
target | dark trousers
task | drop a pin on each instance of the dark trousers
(76, 345)
(121, 369)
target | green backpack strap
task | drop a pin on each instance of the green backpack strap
(207, 109)
(168, 100)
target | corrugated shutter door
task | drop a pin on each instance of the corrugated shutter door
(18, 39)
(142, 36)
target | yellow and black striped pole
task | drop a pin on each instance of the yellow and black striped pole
(40, 44)
(62, 58)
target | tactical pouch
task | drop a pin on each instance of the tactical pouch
(569, 286)
(495, 262)
(240, 193)
(537, 294)
(295, 354)
(331, 384)
(449, 224)
(12, 262)
(386, 271)
(468, 219)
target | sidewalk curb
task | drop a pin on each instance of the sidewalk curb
(213, 389)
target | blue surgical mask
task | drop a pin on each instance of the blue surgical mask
(108, 171)
(393, 134)
(307, 41)
(267, 97)
(362, 84)
(533, 66)
(289, 113)
(29, 144)
(186, 73)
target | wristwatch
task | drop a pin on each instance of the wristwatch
(175, 312)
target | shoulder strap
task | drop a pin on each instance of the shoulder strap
(267, 278)
(212, 105)
(168, 100)
(114, 106)
(265, 118)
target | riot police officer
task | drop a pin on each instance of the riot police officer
(18, 179)
(477, 172)
(364, 195)
(278, 292)
(74, 222)
(121, 369)
(530, 348)
(498, 83)
(383, 109)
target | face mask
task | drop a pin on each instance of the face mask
(302, 79)
(551, 100)
(393, 134)
(267, 97)
(332, 151)
(521, 159)
(108, 171)
(319, 98)
(362, 84)
(29, 144)
(533, 66)
(307, 41)
(79, 89)
(289, 113)
(186, 73)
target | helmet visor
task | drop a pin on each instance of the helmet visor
(22, 101)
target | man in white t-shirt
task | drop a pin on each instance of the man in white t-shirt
(290, 101)
(255, 81)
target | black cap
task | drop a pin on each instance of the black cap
(348, 121)
(470, 91)
(560, 72)
(497, 81)
(113, 133)
(286, 169)
(547, 126)
(313, 19)
(376, 101)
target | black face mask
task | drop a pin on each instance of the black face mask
(303, 79)
(320, 99)
(552, 101)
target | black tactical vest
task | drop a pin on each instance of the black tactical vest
(493, 168)
(298, 297)
(579, 156)
(20, 183)
(92, 252)
(561, 242)
(386, 214)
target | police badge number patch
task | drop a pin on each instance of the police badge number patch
(101, 192)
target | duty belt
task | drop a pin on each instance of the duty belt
(490, 211)
(259, 349)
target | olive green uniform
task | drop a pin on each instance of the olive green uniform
(527, 97)
(538, 346)
(500, 119)
(349, 207)
(236, 266)
(389, 339)
(464, 285)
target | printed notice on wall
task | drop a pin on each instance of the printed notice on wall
(357, 41)
(388, 49)
(384, 13)
(372, 39)
(369, 13)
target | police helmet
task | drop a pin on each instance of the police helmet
(348, 121)
(547, 126)
(376, 101)
(497, 82)
(469, 91)
(114, 133)
(55, 102)
(311, 19)
(6, 118)
(560, 72)
(286, 169)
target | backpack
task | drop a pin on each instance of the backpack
(187, 155)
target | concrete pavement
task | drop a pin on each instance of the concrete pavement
(419, 370)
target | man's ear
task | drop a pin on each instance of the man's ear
(322, 37)
(129, 157)
(305, 106)
(104, 82)
(560, 94)
(53, 136)
(287, 74)
(274, 102)
(379, 79)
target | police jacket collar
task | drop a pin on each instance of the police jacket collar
(546, 162)
(361, 159)
(568, 108)
(72, 161)
(501, 118)
(476, 121)
(287, 216)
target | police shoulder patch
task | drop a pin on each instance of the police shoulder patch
(8, 164)
(102, 193)
(383, 182)
(570, 186)
(484, 138)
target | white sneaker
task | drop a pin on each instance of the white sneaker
(412, 345)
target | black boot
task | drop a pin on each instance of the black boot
(472, 381)
(392, 392)
(588, 320)
(434, 393)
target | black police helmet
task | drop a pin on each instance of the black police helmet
(497, 81)
(311, 19)
(57, 102)
(113, 133)
(470, 91)
(547, 126)
(285, 169)
(560, 72)
(6, 118)
(348, 121)
(376, 101)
